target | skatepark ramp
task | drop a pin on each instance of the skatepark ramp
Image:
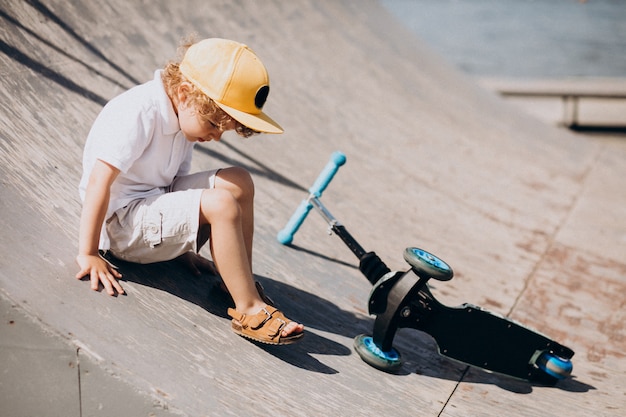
(531, 218)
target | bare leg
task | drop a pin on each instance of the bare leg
(238, 182)
(228, 208)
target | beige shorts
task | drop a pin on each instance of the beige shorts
(162, 227)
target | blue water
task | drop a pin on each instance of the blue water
(522, 38)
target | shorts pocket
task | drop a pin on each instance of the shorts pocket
(153, 229)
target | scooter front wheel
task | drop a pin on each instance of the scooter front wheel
(372, 355)
(427, 265)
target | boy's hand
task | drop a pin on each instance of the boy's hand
(97, 196)
(99, 271)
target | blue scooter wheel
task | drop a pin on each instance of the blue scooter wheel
(554, 366)
(427, 265)
(372, 355)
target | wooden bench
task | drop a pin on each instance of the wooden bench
(571, 92)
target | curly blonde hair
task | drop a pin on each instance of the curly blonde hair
(207, 108)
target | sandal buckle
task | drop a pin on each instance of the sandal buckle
(267, 313)
(268, 317)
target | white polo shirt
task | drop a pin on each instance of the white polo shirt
(138, 133)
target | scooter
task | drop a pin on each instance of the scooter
(402, 299)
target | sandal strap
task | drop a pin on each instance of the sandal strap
(270, 319)
(266, 299)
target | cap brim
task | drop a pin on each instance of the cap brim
(260, 122)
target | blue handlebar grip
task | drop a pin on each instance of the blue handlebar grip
(285, 236)
(337, 159)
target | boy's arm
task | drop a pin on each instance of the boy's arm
(94, 210)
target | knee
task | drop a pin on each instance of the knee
(238, 182)
(219, 205)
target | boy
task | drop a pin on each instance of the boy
(141, 204)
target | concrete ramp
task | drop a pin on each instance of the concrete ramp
(530, 217)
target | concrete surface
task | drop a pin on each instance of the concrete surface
(44, 375)
(530, 217)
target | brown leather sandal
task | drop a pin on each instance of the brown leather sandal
(266, 326)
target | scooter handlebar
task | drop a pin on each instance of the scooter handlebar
(285, 236)
(337, 159)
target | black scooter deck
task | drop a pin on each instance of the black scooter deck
(467, 333)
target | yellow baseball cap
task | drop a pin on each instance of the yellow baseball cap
(232, 75)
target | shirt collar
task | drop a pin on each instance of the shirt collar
(170, 119)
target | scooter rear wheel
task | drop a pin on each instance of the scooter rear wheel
(374, 356)
(554, 366)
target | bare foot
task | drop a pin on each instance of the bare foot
(292, 328)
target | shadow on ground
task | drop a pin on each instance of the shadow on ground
(419, 350)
